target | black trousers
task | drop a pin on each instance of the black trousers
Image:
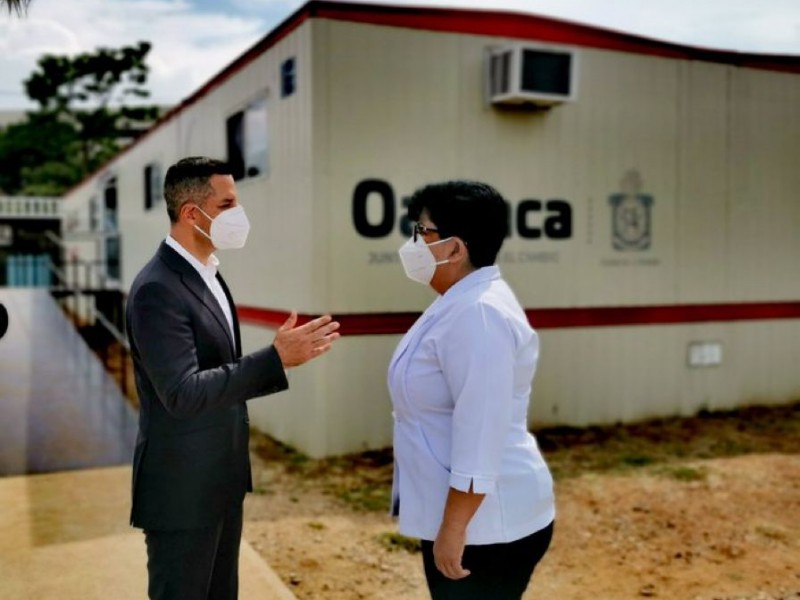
(196, 564)
(498, 571)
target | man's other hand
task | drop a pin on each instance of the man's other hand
(296, 345)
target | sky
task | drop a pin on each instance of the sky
(195, 39)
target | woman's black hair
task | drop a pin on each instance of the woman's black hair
(470, 210)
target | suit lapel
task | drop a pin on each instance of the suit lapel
(237, 336)
(195, 284)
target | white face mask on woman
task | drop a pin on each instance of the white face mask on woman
(418, 261)
(229, 229)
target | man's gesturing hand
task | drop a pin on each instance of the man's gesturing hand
(296, 345)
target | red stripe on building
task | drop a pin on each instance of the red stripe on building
(480, 22)
(553, 318)
(526, 26)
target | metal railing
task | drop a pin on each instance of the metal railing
(97, 312)
(30, 207)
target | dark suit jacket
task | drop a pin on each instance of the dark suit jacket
(191, 460)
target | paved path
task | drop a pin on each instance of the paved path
(65, 536)
(59, 409)
(64, 529)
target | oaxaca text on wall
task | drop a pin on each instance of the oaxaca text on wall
(378, 211)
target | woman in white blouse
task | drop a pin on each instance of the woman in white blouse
(469, 479)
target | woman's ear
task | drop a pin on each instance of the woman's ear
(460, 250)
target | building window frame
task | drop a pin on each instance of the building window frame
(247, 138)
(288, 77)
(153, 185)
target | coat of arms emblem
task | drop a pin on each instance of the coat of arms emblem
(630, 214)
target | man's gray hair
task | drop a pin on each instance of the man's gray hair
(189, 179)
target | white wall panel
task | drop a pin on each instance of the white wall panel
(714, 146)
(764, 214)
(702, 236)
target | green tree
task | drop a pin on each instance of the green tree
(84, 118)
(35, 143)
(89, 92)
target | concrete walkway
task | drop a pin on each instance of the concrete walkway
(65, 536)
(64, 529)
(59, 409)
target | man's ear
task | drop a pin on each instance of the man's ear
(187, 212)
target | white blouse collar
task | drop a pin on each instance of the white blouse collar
(476, 277)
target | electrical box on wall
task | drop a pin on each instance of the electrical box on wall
(519, 74)
(704, 354)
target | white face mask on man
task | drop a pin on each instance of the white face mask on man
(418, 261)
(229, 229)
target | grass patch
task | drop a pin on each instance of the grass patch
(367, 497)
(395, 541)
(684, 473)
(772, 533)
(572, 451)
(363, 480)
(638, 460)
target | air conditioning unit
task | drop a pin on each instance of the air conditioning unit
(520, 74)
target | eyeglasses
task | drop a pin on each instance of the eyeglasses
(422, 230)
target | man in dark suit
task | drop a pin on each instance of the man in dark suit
(191, 467)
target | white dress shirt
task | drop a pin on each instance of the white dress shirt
(460, 383)
(209, 274)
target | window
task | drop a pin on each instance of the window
(288, 79)
(110, 228)
(153, 185)
(72, 221)
(6, 235)
(110, 221)
(248, 144)
(94, 209)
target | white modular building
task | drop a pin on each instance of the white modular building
(652, 189)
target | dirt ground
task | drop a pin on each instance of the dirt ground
(704, 508)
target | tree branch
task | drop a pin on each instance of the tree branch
(17, 6)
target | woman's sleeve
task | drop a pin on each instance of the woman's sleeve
(477, 357)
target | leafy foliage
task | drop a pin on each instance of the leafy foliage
(30, 145)
(18, 6)
(84, 118)
(393, 541)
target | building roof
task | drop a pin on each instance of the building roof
(491, 23)
(506, 24)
